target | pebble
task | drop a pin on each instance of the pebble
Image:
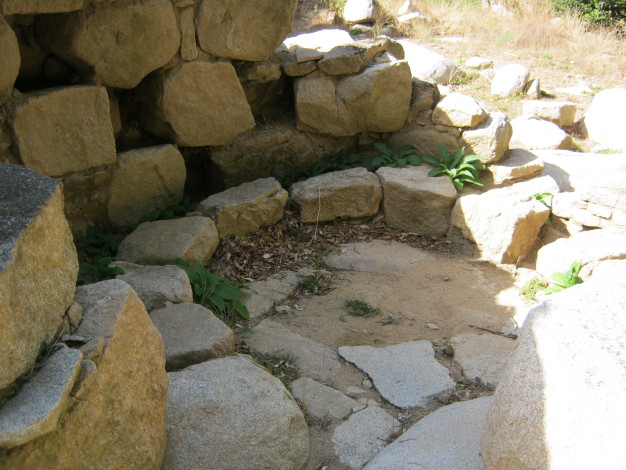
(367, 383)
(432, 326)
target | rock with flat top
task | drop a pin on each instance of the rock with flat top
(482, 357)
(323, 40)
(563, 114)
(490, 139)
(458, 110)
(261, 295)
(509, 80)
(533, 133)
(320, 400)
(516, 165)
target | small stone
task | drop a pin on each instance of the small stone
(432, 326)
(354, 392)
(321, 401)
(509, 80)
(367, 383)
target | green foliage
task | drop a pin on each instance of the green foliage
(567, 279)
(281, 366)
(356, 31)
(336, 6)
(359, 308)
(464, 78)
(506, 38)
(171, 213)
(406, 155)
(546, 199)
(314, 284)
(96, 250)
(530, 289)
(219, 295)
(460, 169)
(604, 12)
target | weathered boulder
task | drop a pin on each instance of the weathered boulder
(354, 57)
(569, 356)
(37, 7)
(86, 195)
(490, 140)
(533, 133)
(144, 180)
(193, 239)
(242, 30)
(191, 334)
(38, 267)
(116, 418)
(114, 43)
(349, 193)
(458, 110)
(188, 45)
(424, 140)
(563, 114)
(61, 130)
(10, 59)
(513, 210)
(196, 104)
(376, 100)
(516, 165)
(604, 118)
(233, 414)
(428, 65)
(322, 41)
(246, 208)
(424, 96)
(359, 11)
(415, 202)
(156, 285)
(509, 80)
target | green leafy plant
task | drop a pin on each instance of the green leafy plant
(464, 78)
(565, 280)
(313, 284)
(531, 288)
(359, 308)
(221, 296)
(406, 155)
(281, 366)
(604, 12)
(460, 169)
(546, 199)
(96, 252)
(356, 31)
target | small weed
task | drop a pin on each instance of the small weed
(530, 289)
(464, 78)
(314, 284)
(356, 31)
(359, 308)
(505, 39)
(219, 295)
(281, 366)
(96, 251)
(460, 169)
(406, 155)
(565, 280)
(546, 199)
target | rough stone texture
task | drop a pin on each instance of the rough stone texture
(61, 130)
(424, 96)
(144, 180)
(36, 409)
(490, 139)
(509, 80)
(376, 100)
(562, 114)
(261, 295)
(314, 360)
(196, 104)
(191, 334)
(233, 414)
(321, 401)
(117, 416)
(322, 41)
(363, 435)
(532, 133)
(36, 7)
(415, 202)
(193, 239)
(259, 71)
(447, 439)
(405, 374)
(10, 59)
(86, 196)
(240, 30)
(114, 43)
(156, 285)
(291, 67)
(38, 267)
(424, 140)
(188, 46)
(605, 117)
(377, 256)
(482, 356)
(516, 165)
(552, 405)
(354, 57)
(458, 110)
(276, 152)
(428, 65)
(359, 11)
(246, 208)
(349, 193)
(587, 247)
(513, 210)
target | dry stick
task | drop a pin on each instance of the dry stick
(506, 335)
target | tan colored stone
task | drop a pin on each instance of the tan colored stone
(37, 7)
(86, 196)
(116, 43)
(9, 59)
(605, 116)
(196, 104)
(342, 194)
(458, 110)
(117, 417)
(424, 97)
(517, 164)
(243, 30)
(246, 208)
(533, 133)
(424, 140)
(144, 180)
(188, 46)
(490, 140)
(353, 58)
(562, 114)
(62, 130)
(38, 267)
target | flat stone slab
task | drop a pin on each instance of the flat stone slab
(321, 401)
(405, 374)
(377, 257)
(36, 409)
(517, 164)
(261, 295)
(192, 334)
(363, 435)
(447, 439)
(482, 356)
(314, 360)
(156, 285)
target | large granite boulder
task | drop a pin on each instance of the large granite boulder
(428, 65)
(116, 417)
(552, 407)
(10, 59)
(604, 118)
(196, 104)
(232, 413)
(38, 267)
(62, 130)
(458, 110)
(114, 43)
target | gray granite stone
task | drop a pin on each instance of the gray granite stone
(482, 356)
(321, 401)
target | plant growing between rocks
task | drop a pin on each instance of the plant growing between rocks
(565, 280)
(406, 155)
(531, 288)
(460, 169)
(281, 366)
(96, 252)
